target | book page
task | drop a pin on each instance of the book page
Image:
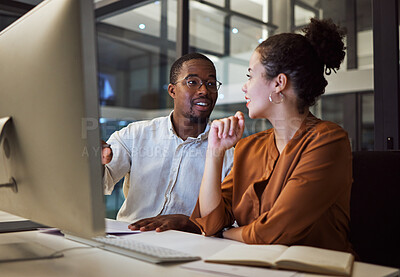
(118, 227)
(236, 270)
(258, 255)
(316, 260)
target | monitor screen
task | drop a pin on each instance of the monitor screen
(51, 146)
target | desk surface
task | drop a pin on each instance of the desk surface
(87, 261)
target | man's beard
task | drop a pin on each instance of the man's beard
(196, 119)
(193, 118)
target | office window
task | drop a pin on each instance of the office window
(146, 19)
(257, 9)
(136, 48)
(364, 34)
(245, 35)
(302, 14)
(332, 108)
(367, 121)
(352, 111)
(220, 3)
(206, 27)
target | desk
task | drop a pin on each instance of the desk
(87, 261)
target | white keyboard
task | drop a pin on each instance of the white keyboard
(143, 251)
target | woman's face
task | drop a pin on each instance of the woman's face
(257, 88)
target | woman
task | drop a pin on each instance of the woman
(289, 184)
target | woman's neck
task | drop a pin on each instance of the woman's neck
(286, 126)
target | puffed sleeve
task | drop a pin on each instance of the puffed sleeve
(322, 174)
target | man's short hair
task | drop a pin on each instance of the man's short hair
(177, 65)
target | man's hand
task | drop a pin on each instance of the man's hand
(162, 223)
(106, 153)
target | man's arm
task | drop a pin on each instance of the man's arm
(162, 223)
(106, 154)
(116, 158)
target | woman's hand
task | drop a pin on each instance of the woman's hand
(226, 132)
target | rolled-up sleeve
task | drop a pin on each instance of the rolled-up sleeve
(121, 161)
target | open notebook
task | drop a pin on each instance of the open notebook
(299, 258)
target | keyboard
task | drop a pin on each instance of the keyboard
(143, 251)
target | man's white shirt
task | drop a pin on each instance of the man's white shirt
(162, 172)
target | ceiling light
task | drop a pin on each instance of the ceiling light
(235, 30)
(142, 26)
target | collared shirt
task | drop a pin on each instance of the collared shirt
(301, 196)
(164, 172)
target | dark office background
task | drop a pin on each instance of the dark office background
(138, 41)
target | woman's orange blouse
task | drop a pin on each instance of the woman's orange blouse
(300, 197)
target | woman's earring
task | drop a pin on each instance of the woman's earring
(276, 102)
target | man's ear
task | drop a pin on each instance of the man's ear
(171, 90)
(281, 81)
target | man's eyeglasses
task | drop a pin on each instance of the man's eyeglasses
(195, 83)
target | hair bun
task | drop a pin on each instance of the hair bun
(327, 39)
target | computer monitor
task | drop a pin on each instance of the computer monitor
(51, 145)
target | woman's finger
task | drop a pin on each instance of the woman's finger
(233, 126)
(227, 123)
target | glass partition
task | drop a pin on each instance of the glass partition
(136, 48)
(302, 15)
(245, 35)
(367, 121)
(206, 28)
(257, 9)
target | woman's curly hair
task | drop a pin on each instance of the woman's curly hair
(305, 58)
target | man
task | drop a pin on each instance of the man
(162, 160)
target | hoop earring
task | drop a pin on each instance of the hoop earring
(280, 94)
